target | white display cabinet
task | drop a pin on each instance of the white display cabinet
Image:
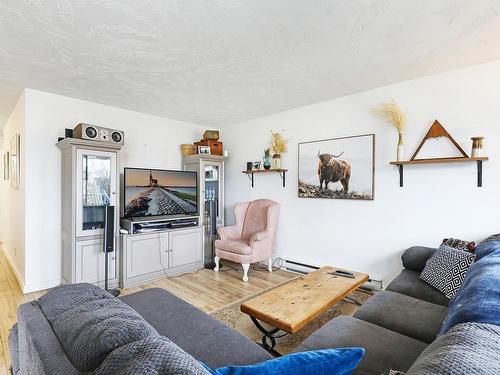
(89, 183)
(210, 170)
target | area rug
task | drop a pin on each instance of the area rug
(233, 317)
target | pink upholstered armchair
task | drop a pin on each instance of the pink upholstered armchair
(252, 238)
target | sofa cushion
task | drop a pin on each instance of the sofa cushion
(327, 361)
(89, 331)
(467, 349)
(403, 314)
(409, 283)
(478, 299)
(415, 257)
(151, 355)
(446, 269)
(234, 246)
(384, 349)
(205, 338)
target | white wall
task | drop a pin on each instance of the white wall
(12, 207)
(436, 201)
(149, 141)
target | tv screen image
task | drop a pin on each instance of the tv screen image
(154, 192)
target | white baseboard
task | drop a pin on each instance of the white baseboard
(14, 268)
(29, 288)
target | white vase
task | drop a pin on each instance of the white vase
(276, 161)
(401, 149)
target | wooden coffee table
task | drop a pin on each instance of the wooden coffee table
(293, 305)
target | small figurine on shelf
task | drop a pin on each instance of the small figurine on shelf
(267, 159)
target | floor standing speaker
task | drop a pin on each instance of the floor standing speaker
(109, 244)
(212, 231)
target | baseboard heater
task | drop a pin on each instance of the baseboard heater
(304, 268)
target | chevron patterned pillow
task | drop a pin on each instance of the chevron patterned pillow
(446, 269)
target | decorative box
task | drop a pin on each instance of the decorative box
(211, 134)
(215, 146)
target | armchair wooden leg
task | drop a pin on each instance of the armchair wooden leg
(216, 260)
(246, 266)
(270, 264)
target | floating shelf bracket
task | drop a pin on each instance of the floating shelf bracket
(479, 162)
(281, 172)
(250, 176)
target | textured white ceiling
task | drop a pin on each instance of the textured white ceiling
(220, 62)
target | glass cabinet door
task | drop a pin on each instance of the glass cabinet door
(212, 188)
(96, 189)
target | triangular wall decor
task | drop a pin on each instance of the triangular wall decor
(437, 130)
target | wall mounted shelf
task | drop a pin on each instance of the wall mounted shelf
(478, 160)
(282, 173)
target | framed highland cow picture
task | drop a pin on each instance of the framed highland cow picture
(337, 168)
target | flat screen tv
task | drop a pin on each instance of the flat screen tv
(155, 192)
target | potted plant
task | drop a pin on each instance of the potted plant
(394, 115)
(279, 145)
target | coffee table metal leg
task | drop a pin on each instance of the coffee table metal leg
(350, 299)
(269, 338)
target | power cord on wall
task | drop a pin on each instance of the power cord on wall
(160, 253)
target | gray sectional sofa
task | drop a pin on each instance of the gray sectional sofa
(395, 327)
(398, 328)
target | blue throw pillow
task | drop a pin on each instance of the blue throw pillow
(478, 300)
(486, 247)
(318, 362)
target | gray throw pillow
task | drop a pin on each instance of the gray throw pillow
(466, 349)
(446, 269)
(67, 297)
(152, 355)
(90, 329)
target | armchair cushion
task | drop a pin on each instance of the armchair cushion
(256, 218)
(234, 246)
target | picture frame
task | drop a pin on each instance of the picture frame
(337, 168)
(204, 150)
(6, 165)
(256, 166)
(15, 160)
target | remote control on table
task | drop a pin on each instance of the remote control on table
(343, 274)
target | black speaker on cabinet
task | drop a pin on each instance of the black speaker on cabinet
(109, 244)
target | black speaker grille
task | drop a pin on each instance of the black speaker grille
(91, 132)
(116, 136)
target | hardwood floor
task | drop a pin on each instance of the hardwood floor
(205, 289)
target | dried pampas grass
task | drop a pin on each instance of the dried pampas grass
(393, 114)
(279, 144)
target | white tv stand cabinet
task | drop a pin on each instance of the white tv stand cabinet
(148, 256)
